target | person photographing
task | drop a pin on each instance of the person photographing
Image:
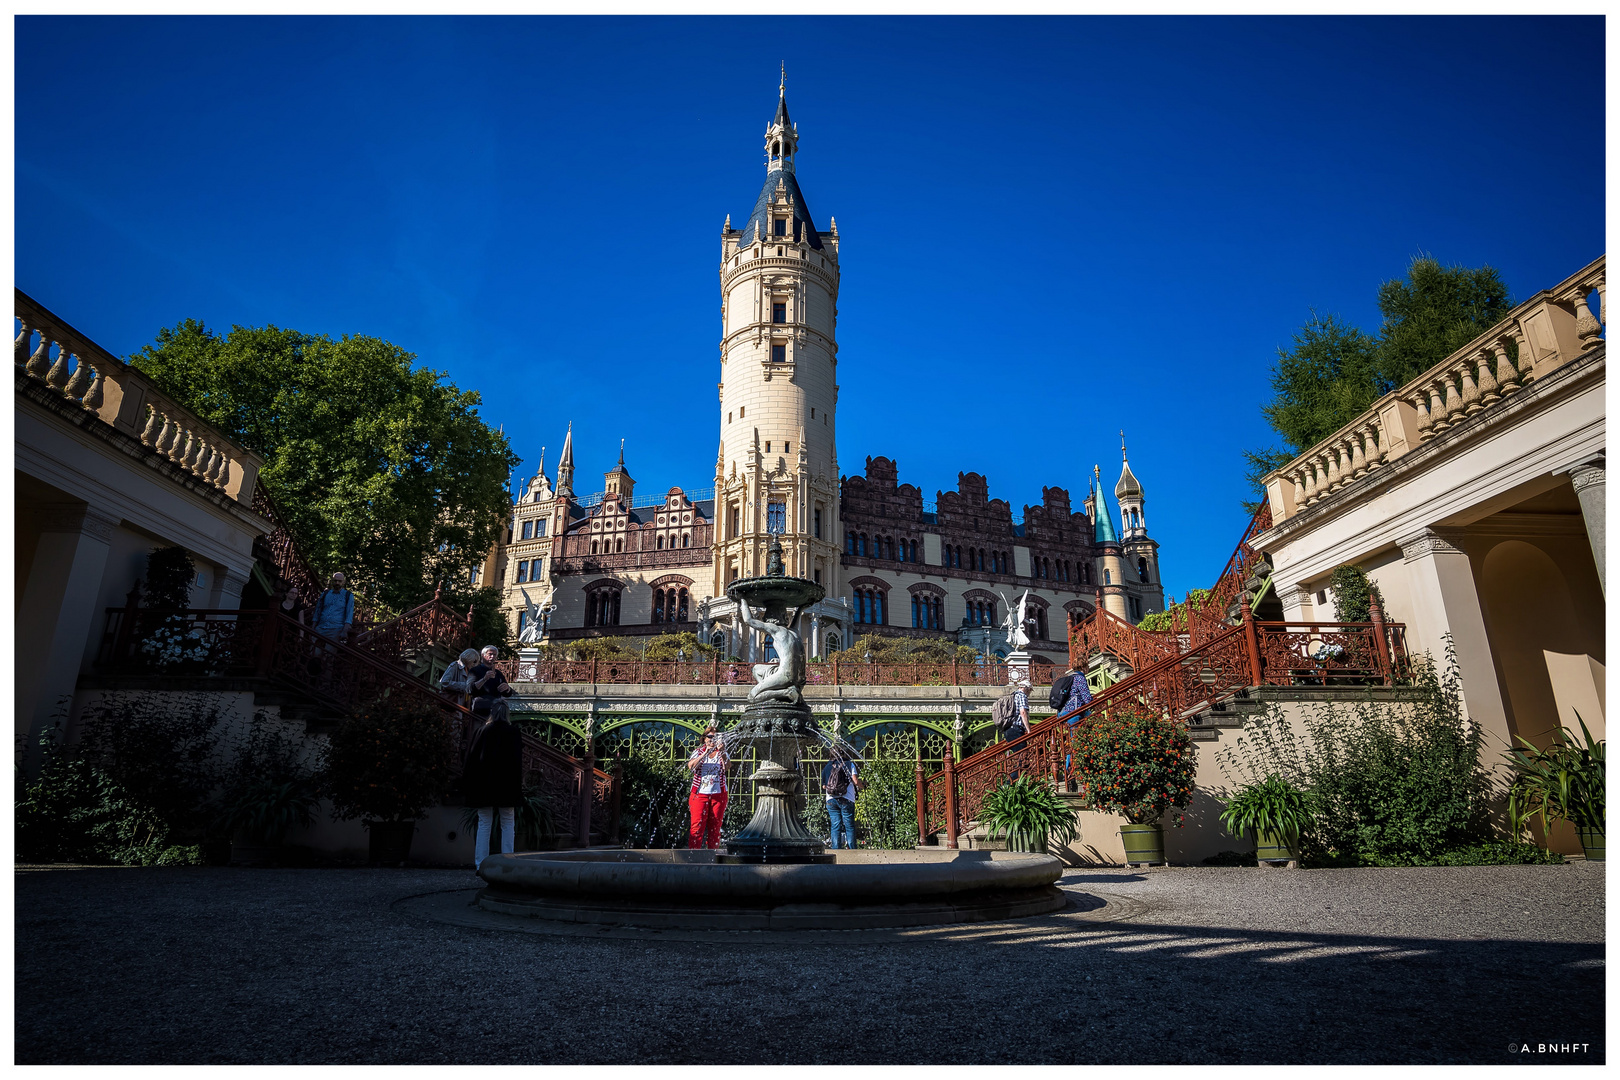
(707, 802)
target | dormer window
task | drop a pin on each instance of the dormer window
(779, 227)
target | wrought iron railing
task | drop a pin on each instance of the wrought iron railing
(1242, 657)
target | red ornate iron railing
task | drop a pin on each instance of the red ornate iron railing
(1241, 657)
(1104, 632)
(267, 645)
(724, 673)
(432, 623)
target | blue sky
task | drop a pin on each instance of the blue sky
(1051, 229)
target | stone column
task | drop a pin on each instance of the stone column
(1588, 481)
(1296, 603)
(815, 634)
(227, 588)
(57, 614)
(1445, 600)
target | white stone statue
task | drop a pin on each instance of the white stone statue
(531, 625)
(1016, 623)
(777, 682)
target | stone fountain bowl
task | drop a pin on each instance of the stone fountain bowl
(676, 888)
(773, 592)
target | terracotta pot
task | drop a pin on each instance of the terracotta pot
(390, 841)
(1143, 843)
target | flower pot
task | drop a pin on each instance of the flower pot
(1591, 843)
(1143, 843)
(1271, 847)
(390, 841)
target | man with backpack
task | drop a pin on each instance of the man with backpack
(840, 782)
(1070, 694)
(1011, 710)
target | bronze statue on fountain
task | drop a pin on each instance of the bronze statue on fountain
(776, 722)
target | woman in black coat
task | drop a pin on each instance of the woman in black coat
(492, 778)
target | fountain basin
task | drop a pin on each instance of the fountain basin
(862, 889)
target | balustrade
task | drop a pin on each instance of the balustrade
(1551, 329)
(86, 375)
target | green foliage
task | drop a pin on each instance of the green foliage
(382, 470)
(1029, 813)
(489, 623)
(134, 790)
(664, 648)
(595, 648)
(1273, 805)
(535, 823)
(1395, 783)
(891, 649)
(886, 805)
(1564, 782)
(1352, 594)
(1135, 763)
(390, 762)
(169, 574)
(1159, 622)
(271, 790)
(1333, 371)
(1497, 853)
(653, 808)
(1431, 314)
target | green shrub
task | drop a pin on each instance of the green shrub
(1395, 783)
(1565, 782)
(1029, 813)
(1135, 763)
(1273, 805)
(886, 806)
(1497, 853)
(271, 789)
(653, 810)
(1352, 594)
(391, 761)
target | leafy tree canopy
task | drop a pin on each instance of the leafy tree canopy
(1335, 371)
(382, 470)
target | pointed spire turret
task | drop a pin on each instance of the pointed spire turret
(565, 464)
(1105, 520)
(1128, 487)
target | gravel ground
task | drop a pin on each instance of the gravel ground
(1237, 965)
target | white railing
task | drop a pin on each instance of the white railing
(1551, 329)
(69, 364)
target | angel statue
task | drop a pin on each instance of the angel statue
(1015, 623)
(531, 624)
(779, 682)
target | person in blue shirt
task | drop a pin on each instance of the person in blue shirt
(840, 782)
(334, 611)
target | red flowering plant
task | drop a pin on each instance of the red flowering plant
(391, 761)
(1133, 762)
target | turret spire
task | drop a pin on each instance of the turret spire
(565, 464)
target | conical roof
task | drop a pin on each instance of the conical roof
(758, 226)
(1105, 521)
(1128, 487)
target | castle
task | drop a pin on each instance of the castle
(576, 565)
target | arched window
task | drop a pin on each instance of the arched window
(658, 605)
(1141, 568)
(849, 543)
(718, 640)
(594, 548)
(619, 545)
(680, 614)
(866, 545)
(832, 642)
(660, 545)
(602, 606)
(686, 540)
(1108, 577)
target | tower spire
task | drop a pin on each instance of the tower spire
(565, 464)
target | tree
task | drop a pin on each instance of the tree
(1433, 313)
(381, 469)
(1335, 371)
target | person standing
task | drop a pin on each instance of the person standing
(488, 682)
(457, 679)
(334, 611)
(492, 779)
(1020, 724)
(840, 783)
(707, 801)
(293, 606)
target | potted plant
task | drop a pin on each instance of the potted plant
(1137, 764)
(1278, 813)
(261, 810)
(1028, 812)
(534, 824)
(1561, 783)
(387, 764)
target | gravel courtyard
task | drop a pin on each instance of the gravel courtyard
(1205, 965)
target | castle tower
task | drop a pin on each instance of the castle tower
(1110, 556)
(777, 469)
(1139, 551)
(618, 481)
(565, 485)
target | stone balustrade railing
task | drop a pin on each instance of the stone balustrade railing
(83, 373)
(1537, 337)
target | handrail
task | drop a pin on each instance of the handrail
(1547, 331)
(716, 672)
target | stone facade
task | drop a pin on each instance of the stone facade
(611, 564)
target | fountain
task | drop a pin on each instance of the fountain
(775, 874)
(776, 721)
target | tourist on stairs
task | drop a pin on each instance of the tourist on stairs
(457, 678)
(488, 683)
(708, 799)
(492, 779)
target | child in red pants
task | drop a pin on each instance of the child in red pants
(708, 799)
